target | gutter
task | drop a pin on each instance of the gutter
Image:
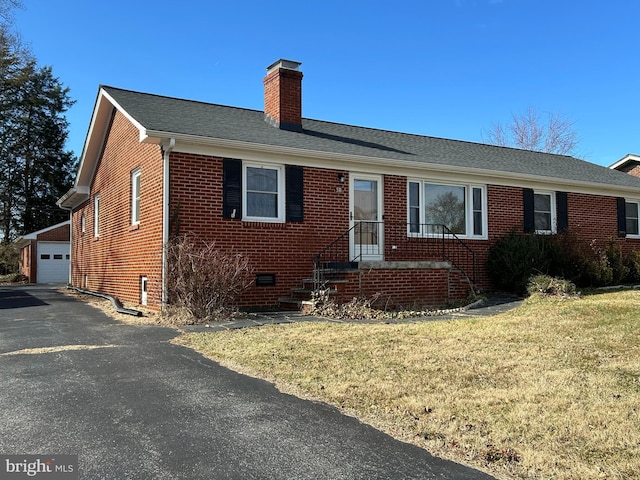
(116, 303)
(390, 166)
(167, 148)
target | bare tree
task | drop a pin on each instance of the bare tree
(553, 133)
(6, 9)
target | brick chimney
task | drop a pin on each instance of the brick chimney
(283, 95)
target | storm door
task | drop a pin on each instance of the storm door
(366, 239)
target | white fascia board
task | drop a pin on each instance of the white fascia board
(97, 135)
(34, 235)
(630, 157)
(137, 124)
(364, 164)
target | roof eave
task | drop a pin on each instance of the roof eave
(629, 158)
(74, 197)
(496, 177)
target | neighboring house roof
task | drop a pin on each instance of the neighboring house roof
(159, 118)
(629, 160)
(25, 239)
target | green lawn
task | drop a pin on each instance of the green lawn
(549, 390)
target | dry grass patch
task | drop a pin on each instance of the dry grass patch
(550, 390)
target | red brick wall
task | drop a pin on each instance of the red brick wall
(407, 288)
(114, 262)
(28, 261)
(60, 234)
(632, 169)
(286, 249)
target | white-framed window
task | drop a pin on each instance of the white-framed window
(135, 197)
(83, 223)
(632, 211)
(544, 212)
(460, 208)
(96, 215)
(263, 193)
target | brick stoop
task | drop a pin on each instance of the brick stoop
(434, 283)
(300, 298)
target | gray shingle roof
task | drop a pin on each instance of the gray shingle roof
(178, 116)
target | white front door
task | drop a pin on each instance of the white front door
(365, 199)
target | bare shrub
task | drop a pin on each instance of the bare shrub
(548, 286)
(359, 308)
(203, 281)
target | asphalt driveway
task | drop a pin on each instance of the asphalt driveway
(134, 406)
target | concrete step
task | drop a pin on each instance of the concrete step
(294, 304)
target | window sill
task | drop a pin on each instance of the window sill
(133, 228)
(447, 236)
(266, 225)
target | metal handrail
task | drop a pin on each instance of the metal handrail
(400, 241)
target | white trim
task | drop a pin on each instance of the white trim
(637, 202)
(144, 284)
(385, 166)
(630, 157)
(280, 194)
(135, 195)
(129, 117)
(167, 148)
(195, 144)
(353, 252)
(468, 192)
(34, 235)
(96, 215)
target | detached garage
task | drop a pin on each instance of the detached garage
(45, 254)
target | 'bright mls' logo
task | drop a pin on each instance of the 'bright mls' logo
(58, 467)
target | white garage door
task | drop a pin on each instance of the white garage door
(53, 262)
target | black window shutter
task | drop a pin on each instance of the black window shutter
(527, 202)
(294, 193)
(232, 188)
(622, 217)
(562, 208)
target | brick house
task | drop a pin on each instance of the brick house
(408, 216)
(45, 254)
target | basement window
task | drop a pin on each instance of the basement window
(265, 279)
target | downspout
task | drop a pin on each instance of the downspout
(70, 210)
(167, 148)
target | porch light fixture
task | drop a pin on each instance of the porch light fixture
(341, 177)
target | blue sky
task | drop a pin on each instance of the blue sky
(445, 68)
